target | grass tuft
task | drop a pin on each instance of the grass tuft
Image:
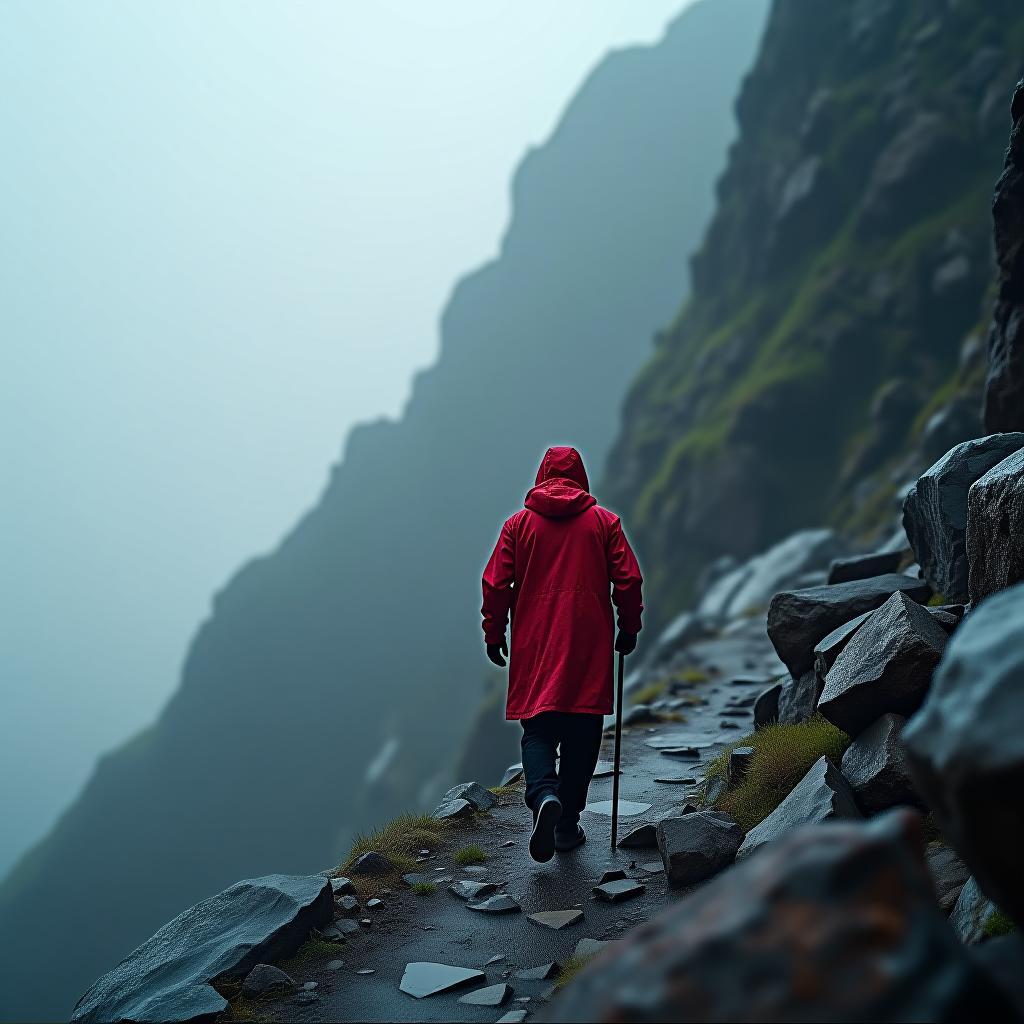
(399, 841)
(571, 968)
(691, 675)
(424, 888)
(649, 691)
(999, 923)
(472, 854)
(783, 754)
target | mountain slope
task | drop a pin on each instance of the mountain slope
(356, 642)
(821, 358)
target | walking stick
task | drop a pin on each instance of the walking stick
(618, 747)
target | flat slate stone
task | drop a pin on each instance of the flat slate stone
(557, 919)
(422, 979)
(512, 1017)
(167, 977)
(683, 753)
(619, 890)
(500, 903)
(453, 809)
(542, 973)
(513, 773)
(341, 886)
(467, 889)
(626, 808)
(492, 995)
(348, 904)
(338, 931)
(603, 769)
(473, 793)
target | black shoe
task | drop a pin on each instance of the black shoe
(569, 841)
(542, 842)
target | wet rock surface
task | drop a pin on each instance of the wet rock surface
(971, 912)
(424, 979)
(995, 528)
(694, 847)
(948, 873)
(876, 768)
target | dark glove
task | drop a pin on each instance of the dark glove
(495, 652)
(625, 643)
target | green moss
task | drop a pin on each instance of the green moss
(783, 754)
(650, 691)
(398, 841)
(999, 923)
(571, 968)
(937, 600)
(423, 888)
(472, 854)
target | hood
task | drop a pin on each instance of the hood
(562, 488)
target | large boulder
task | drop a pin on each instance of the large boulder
(799, 619)
(835, 923)
(168, 977)
(995, 528)
(876, 768)
(971, 913)
(798, 698)
(696, 846)
(863, 567)
(886, 667)
(965, 747)
(822, 794)
(935, 510)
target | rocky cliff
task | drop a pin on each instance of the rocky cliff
(351, 655)
(832, 346)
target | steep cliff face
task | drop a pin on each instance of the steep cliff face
(356, 643)
(833, 338)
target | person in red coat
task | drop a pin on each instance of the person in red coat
(555, 566)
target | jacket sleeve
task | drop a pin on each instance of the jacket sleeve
(627, 583)
(499, 575)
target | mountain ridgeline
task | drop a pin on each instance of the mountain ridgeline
(833, 343)
(356, 643)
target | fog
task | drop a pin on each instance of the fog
(228, 230)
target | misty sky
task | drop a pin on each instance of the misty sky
(226, 232)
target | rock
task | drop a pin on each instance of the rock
(372, 863)
(935, 510)
(947, 620)
(995, 528)
(694, 847)
(348, 904)
(557, 919)
(335, 965)
(835, 923)
(264, 979)
(714, 789)
(423, 979)
(513, 773)
(799, 619)
(863, 567)
(591, 947)
(475, 869)
(512, 1017)
(500, 903)
(822, 794)
(949, 873)
(309, 986)
(683, 753)
(1001, 958)
(641, 837)
(965, 747)
(798, 698)
(739, 762)
(971, 913)
(611, 875)
(542, 973)
(830, 647)
(619, 890)
(341, 886)
(338, 931)
(875, 767)
(374, 904)
(638, 714)
(453, 809)
(627, 808)
(226, 936)
(492, 995)
(473, 793)
(468, 890)
(886, 667)
(766, 707)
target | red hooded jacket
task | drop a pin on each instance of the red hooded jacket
(552, 569)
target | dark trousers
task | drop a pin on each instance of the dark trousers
(579, 737)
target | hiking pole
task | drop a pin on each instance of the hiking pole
(618, 748)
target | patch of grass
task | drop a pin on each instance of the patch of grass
(783, 754)
(936, 600)
(510, 793)
(472, 854)
(571, 968)
(313, 952)
(399, 841)
(1000, 923)
(650, 691)
(423, 888)
(691, 675)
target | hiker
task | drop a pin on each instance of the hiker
(551, 569)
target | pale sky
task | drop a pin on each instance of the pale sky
(226, 233)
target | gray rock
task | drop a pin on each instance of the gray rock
(886, 667)
(863, 567)
(948, 872)
(835, 923)
(374, 904)
(766, 707)
(694, 847)
(611, 875)
(947, 620)
(422, 979)
(469, 890)
(821, 795)
(935, 510)
(340, 930)
(335, 965)
(619, 890)
(342, 886)
(513, 773)
(830, 647)
(348, 904)
(995, 528)
(641, 837)
(264, 979)
(591, 947)
(453, 809)
(500, 903)
(739, 762)
(542, 973)
(798, 698)
(492, 995)
(876, 768)
(512, 1017)
(167, 977)
(372, 863)
(965, 747)
(798, 620)
(481, 799)
(557, 919)
(971, 913)
(638, 714)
